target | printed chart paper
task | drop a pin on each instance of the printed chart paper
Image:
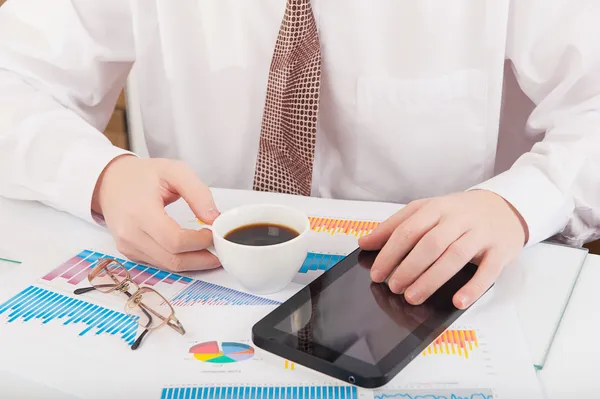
(86, 339)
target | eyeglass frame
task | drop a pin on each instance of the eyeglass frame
(123, 286)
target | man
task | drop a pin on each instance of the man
(370, 100)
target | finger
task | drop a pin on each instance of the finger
(456, 256)
(171, 236)
(487, 272)
(149, 251)
(424, 254)
(134, 255)
(379, 297)
(197, 195)
(417, 313)
(402, 240)
(377, 238)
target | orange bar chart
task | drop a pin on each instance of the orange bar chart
(453, 342)
(356, 228)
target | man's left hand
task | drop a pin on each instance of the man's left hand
(430, 240)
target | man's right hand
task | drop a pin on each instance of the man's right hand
(132, 193)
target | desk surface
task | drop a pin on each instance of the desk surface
(571, 366)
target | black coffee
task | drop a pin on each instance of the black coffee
(261, 234)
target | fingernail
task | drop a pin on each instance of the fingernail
(413, 295)
(377, 275)
(396, 287)
(212, 213)
(462, 300)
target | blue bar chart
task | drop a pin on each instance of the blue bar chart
(35, 303)
(316, 261)
(261, 392)
(203, 293)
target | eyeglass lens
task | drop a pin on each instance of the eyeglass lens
(148, 308)
(106, 277)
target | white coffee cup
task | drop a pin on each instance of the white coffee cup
(261, 269)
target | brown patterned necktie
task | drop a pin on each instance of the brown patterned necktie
(287, 140)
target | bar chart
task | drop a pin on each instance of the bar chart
(316, 261)
(453, 342)
(332, 226)
(261, 392)
(35, 303)
(76, 269)
(203, 293)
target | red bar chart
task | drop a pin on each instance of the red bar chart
(76, 269)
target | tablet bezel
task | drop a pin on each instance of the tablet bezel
(266, 336)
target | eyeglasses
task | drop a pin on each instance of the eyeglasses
(147, 307)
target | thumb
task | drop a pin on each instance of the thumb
(180, 177)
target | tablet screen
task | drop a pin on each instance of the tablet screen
(353, 316)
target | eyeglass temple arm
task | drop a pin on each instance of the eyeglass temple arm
(80, 291)
(139, 339)
(145, 308)
(177, 327)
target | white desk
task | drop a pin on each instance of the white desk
(571, 368)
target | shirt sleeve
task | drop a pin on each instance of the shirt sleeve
(555, 52)
(63, 64)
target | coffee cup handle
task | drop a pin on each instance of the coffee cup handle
(210, 248)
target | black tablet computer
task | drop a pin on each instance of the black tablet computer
(348, 327)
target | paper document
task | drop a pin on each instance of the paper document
(541, 281)
(86, 339)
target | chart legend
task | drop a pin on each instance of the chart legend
(47, 306)
(261, 392)
(434, 394)
(356, 228)
(76, 269)
(203, 293)
(316, 261)
(453, 342)
(227, 352)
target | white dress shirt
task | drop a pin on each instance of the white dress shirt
(410, 102)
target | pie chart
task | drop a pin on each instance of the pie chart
(228, 352)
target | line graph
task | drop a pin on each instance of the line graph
(434, 394)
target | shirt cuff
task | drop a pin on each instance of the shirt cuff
(82, 165)
(542, 205)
